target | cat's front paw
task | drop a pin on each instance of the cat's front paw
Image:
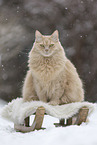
(54, 103)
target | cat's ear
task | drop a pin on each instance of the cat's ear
(55, 36)
(38, 36)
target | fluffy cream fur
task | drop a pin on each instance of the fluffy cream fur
(51, 77)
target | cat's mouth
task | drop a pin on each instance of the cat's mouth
(46, 54)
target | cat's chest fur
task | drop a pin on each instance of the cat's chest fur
(45, 90)
(46, 69)
(47, 76)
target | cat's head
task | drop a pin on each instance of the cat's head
(46, 45)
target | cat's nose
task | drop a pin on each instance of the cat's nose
(46, 49)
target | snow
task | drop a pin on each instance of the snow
(86, 134)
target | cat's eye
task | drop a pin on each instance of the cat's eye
(41, 45)
(51, 45)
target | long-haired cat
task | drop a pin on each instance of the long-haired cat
(51, 77)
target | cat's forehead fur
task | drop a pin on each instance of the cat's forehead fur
(46, 40)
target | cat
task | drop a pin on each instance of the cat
(51, 77)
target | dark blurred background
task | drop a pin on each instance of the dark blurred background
(76, 21)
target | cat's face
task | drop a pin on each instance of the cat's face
(46, 45)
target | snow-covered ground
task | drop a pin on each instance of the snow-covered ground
(86, 134)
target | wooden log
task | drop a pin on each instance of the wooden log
(69, 121)
(82, 115)
(37, 123)
(74, 119)
(22, 128)
(61, 123)
(27, 121)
